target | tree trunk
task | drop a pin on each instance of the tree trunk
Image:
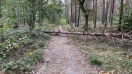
(112, 11)
(106, 13)
(86, 22)
(0, 8)
(71, 14)
(32, 16)
(117, 35)
(66, 11)
(75, 15)
(40, 13)
(121, 15)
(103, 12)
(95, 18)
(93, 4)
(78, 17)
(85, 13)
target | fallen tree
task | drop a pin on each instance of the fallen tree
(117, 35)
(123, 39)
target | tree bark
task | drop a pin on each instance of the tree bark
(106, 13)
(66, 11)
(112, 11)
(86, 22)
(78, 17)
(32, 16)
(95, 18)
(71, 14)
(40, 13)
(85, 13)
(103, 12)
(118, 35)
(75, 14)
(121, 15)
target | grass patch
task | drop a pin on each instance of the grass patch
(94, 61)
(101, 48)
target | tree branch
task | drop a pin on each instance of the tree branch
(81, 5)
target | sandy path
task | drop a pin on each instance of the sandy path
(64, 58)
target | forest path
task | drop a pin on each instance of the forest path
(63, 57)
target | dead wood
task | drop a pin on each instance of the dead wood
(117, 35)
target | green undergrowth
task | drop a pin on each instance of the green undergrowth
(107, 57)
(94, 60)
(21, 49)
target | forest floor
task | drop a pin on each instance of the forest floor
(83, 55)
(61, 56)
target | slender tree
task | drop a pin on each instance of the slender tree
(32, 16)
(121, 15)
(106, 12)
(0, 8)
(75, 14)
(78, 16)
(103, 12)
(67, 11)
(40, 10)
(71, 14)
(95, 18)
(112, 11)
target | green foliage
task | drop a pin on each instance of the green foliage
(25, 11)
(6, 22)
(63, 22)
(90, 23)
(126, 63)
(35, 56)
(17, 66)
(12, 39)
(53, 11)
(23, 65)
(94, 61)
(46, 21)
(127, 25)
(39, 34)
(41, 43)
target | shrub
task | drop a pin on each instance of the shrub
(39, 34)
(16, 38)
(12, 39)
(41, 43)
(46, 21)
(63, 22)
(15, 42)
(18, 66)
(35, 56)
(22, 65)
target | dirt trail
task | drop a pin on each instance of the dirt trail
(62, 57)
